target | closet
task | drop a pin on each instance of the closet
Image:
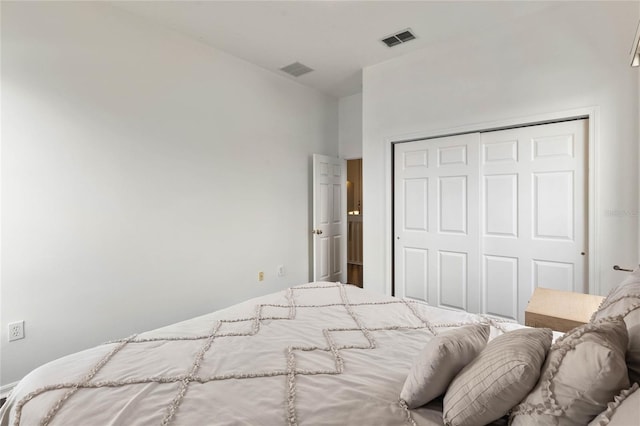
(481, 219)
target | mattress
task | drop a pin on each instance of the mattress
(315, 354)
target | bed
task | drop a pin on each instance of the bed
(319, 353)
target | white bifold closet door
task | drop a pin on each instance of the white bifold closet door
(482, 219)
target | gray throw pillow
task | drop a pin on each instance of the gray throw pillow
(624, 300)
(584, 370)
(440, 360)
(500, 377)
(624, 410)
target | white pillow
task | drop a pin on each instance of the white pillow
(584, 370)
(440, 360)
(500, 377)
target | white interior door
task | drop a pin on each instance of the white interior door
(329, 219)
(482, 219)
(534, 211)
(436, 225)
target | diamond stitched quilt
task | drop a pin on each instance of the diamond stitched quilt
(319, 353)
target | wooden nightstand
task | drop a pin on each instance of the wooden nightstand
(560, 310)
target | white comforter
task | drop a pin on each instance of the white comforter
(316, 354)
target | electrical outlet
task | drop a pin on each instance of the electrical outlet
(16, 330)
(260, 276)
(281, 272)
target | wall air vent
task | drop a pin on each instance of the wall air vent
(296, 69)
(399, 38)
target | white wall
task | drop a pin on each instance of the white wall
(570, 56)
(350, 126)
(146, 178)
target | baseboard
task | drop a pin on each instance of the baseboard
(5, 390)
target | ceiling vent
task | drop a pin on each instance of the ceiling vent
(399, 38)
(296, 69)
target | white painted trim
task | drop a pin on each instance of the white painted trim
(5, 390)
(592, 112)
(388, 215)
(593, 195)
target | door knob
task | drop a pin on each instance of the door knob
(317, 231)
(618, 268)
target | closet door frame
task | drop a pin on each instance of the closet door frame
(590, 113)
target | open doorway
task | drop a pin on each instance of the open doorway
(354, 222)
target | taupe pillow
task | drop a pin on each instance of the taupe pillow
(624, 410)
(584, 370)
(440, 360)
(624, 300)
(500, 377)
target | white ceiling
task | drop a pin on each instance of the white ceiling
(335, 38)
